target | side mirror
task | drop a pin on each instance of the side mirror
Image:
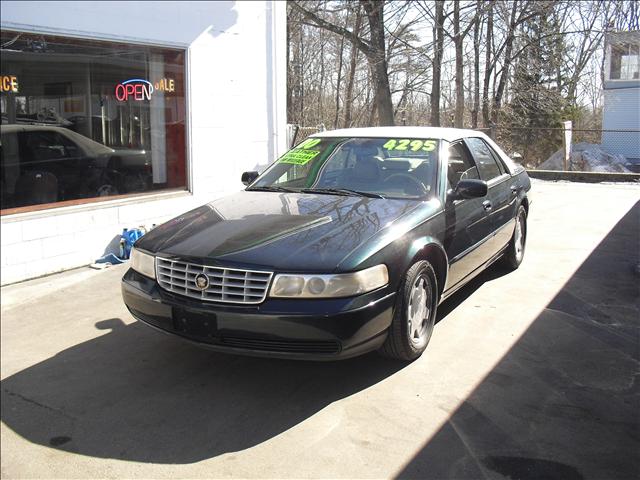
(249, 177)
(469, 188)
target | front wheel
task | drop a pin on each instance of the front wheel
(415, 314)
(515, 251)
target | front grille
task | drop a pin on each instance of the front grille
(225, 284)
(285, 346)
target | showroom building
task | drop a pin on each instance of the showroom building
(122, 114)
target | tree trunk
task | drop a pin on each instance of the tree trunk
(289, 76)
(476, 67)
(438, 36)
(301, 91)
(352, 71)
(458, 41)
(486, 122)
(335, 120)
(497, 97)
(378, 60)
(320, 115)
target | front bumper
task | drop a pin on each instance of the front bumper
(325, 329)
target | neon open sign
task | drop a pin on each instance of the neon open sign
(140, 89)
(135, 88)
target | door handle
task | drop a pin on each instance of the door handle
(514, 190)
(487, 205)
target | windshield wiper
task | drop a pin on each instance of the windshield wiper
(272, 188)
(342, 191)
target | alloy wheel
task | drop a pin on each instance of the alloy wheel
(418, 311)
(519, 238)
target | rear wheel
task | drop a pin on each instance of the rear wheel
(515, 251)
(415, 314)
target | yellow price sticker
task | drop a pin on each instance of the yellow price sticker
(412, 145)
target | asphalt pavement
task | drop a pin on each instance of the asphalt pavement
(530, 374)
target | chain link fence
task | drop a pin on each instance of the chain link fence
(296, 134)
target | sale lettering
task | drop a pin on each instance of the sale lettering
(165, 85)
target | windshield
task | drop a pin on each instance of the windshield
(378, 167)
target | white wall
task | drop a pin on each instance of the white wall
(236, 106)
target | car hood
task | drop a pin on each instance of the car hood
(281, 231)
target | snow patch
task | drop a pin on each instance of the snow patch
(587, 157)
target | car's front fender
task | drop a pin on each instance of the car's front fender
(431, 249)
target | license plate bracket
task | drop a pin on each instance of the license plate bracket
(194, 324)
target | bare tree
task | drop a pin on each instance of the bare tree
(488, 65)
(438, 35)
(372, 62)
(373, 48)
(477, 33)
(459, 35)
(352, 69)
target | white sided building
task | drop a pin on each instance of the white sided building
(120, 114)
(621, 115)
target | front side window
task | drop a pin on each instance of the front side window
(83, 119)
(485, 160)
(388, 167)
(460, 165)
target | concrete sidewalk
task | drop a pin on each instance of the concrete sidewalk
(530, 374)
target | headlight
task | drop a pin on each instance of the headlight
(143, 263)
(289, 285)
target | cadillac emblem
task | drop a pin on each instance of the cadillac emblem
(202, 281)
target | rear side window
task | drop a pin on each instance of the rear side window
(485, 159)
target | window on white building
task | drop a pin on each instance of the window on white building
(86, 120)
(625, 62)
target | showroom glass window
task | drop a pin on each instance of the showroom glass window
(85, 120)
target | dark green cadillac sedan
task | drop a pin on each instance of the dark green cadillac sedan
(346, 244)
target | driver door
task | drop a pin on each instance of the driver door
(467, 222)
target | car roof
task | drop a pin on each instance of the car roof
(86, 143)
(19, 127)
(449, 134)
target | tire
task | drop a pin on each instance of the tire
(106, 190)
(407, 340)
(515, 251)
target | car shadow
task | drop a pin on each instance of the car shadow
(134, 394)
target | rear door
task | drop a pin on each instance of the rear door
(502, 193)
